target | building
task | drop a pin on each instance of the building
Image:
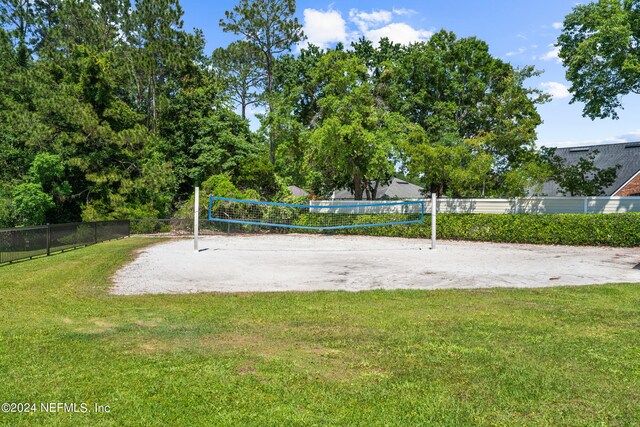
(396, 189)
(297, 191)
(627, 155)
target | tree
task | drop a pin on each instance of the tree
(31, 203)
(238, 67)
(295, 107)
(18, 17)
(454, 87)
(271, 27)
(450, 166)
(162, 50)
(582, 178)
(223, 144)
(599, 46)
(352, 141)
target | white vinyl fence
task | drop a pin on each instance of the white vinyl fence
(528, 205)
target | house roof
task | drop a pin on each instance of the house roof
(297, 191)
(396, 189)
(627, 155)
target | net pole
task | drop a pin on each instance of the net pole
(433, 220)
(196, 204)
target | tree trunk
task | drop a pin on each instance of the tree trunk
(357, 186)
(374, 190)
(272, 136)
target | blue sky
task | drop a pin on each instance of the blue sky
(520, 32)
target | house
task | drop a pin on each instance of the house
(627, 155)
(396, 189)
(297, 191)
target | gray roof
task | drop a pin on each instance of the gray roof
(297, 191)
(627, 155)
(397, 189)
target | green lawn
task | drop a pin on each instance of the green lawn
(487, 357)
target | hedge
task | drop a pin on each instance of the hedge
(621, 229)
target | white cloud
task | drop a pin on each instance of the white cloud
(365, 20)
(556, 25)
(551, 55)
(398, 32)
(403, 11)
(324, 27)
(520, 51)
(555, 89)
(377, 24)
(632, 136)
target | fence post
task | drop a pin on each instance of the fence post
(48, 239)
(95, 231)
(516, 208)
(196, 203)
(586, 205)
(433, 219)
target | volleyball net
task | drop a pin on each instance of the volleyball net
(316, 216)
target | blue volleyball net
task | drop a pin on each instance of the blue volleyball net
(315, 216)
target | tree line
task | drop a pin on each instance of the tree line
(111, 109)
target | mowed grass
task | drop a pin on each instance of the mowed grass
(552, 356)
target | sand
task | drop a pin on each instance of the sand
(300, 262)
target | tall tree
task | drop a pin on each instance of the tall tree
(19, 19)
(238, 66)
(452, 86)
(270, 25)
(160, 49)
(600, 46)
(351, 140)
(295, 107)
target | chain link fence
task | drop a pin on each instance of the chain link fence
(28, 242)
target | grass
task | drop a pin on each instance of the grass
(487, 357)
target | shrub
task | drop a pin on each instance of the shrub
(31, 203)
(558, 229)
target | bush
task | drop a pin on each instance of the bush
(31, 203)
(556, 229)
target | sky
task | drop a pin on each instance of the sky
(517, 31)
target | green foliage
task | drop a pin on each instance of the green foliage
(271, 27)
(599, 46)
(257, 173)
(116, 112)
(105, 116)
(7, 214)
(621, 229)
(475, 110)
(451, 166)
(239, 67)
(30, 204)
(446, 102)
(216, 185)
(352, 143)
(48, 170)
(223, 143)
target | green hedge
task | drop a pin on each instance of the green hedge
(562, 229)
